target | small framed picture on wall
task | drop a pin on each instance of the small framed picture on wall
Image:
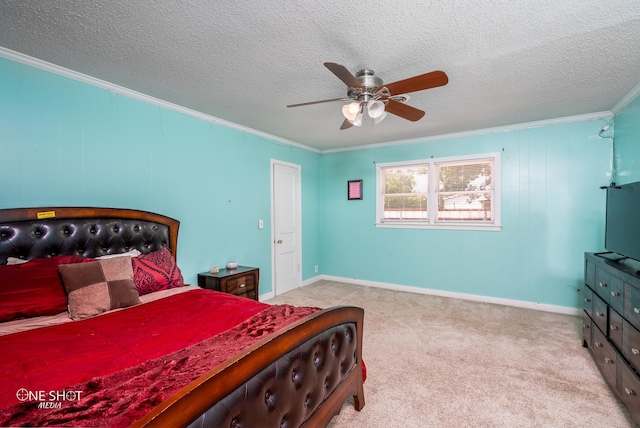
(354, 189)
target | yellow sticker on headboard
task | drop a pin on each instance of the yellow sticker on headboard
(46, 214)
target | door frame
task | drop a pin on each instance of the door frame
(273, 223)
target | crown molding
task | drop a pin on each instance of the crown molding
(627, 99)
(120, 90)
(514, 127)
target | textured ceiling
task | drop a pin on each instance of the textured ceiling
(508, 62)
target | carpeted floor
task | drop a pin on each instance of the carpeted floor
(441, 362)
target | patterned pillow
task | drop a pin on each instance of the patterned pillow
(99, 286)
(156, 271)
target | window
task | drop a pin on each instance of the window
(453, 193)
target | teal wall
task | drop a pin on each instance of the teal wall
(63, 142)
(552, 212)
(627, 135)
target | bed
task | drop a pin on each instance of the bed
(138, 347)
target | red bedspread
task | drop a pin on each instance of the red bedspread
(114, 357)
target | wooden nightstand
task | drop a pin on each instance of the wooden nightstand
(242, 281)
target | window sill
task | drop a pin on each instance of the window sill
(442, 226)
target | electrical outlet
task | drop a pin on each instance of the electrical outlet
(316, 268)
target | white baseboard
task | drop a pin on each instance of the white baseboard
(474, 297)
(271, 294)
(266, 296)
(312, 280)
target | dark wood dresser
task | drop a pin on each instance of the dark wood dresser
(611, 324)
(242, 281)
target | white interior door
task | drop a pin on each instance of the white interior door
(286, 208)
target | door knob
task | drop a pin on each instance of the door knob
(279, 241)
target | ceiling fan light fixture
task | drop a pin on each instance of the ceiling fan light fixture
(377, 120)
(375, 108)
(350, 111)
(357, 121)
(367, 89)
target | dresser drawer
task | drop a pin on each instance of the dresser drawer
(605, 357)
(600, 310)
(631, 344)
(590, 274)
(616, 296)
(586, 329)
(606, 283)
(587, 303)
(615, 328)
(629, 389)
(240, 285)
(632, 305)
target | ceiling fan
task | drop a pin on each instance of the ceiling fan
(366, 91)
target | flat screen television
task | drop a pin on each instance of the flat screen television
(622, 234)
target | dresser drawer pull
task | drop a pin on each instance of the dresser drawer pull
(608, 361)
(603, 285)
(635, 351)
(613, 327)
(586, 326)
(587, 300)
(242, 285)
(600, 314)
(629, 391)
(598, 344)
(615, 293)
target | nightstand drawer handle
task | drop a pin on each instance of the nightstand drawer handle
(599, 345)
(242, 285)
(600, 314)
(635, 351)
(615, 293)
(629, 391)
(613, 327)
(603, 284)
(587, 300)
(608, 361)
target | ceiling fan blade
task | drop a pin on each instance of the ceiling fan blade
(346, 125)
(343, 74)
(417, 83)
(403, 110)
(318, 102)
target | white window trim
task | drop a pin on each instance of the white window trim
(496, 225)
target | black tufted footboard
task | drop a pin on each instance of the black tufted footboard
(300, 376)
(289, 391)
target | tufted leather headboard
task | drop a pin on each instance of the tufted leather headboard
(29, 233)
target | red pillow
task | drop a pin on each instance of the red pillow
(156, 271)
(33, 289)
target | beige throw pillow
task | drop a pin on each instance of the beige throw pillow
(99, 286)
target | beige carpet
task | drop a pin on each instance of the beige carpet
(442, 362)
